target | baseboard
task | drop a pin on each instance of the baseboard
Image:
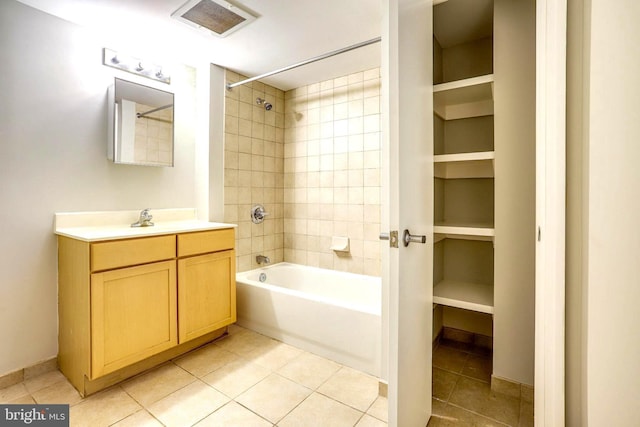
(512, 388)
(383, 389)
(466, 337)
(20, 375)
(437, 339)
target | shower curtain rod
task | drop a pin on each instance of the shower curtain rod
(139, 115)
(308, 61)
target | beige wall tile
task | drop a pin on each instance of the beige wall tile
(327, 169)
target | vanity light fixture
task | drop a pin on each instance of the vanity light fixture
(134, 65)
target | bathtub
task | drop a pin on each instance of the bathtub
(329, 313)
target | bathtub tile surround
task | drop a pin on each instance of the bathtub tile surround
(332, 173)
(202, 387)
(254, 169)
(313, 161)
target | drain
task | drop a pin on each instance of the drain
(262, 277)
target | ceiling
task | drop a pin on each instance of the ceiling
(286, 32)
(459, 21)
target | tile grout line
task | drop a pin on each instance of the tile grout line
(479, 414)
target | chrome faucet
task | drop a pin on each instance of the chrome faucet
(144, 220)
(261, 259)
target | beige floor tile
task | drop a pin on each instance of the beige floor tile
(526, 393)
(13, 392)
(274, 397)
(369, 421)
(454, 416)
(443, 383)
(233, 414)
(158, 383)
(449, 359)
(60, 392)
(236, 377)
(478, 367)
(41, 368)
(188, 405)
(235, 329)
(526, 414)
(437, 411)
(352, 388)
(140, 419)
(437, 406)
(507, 387)
(309, 370)
(274, 355)
(24, 400)
(45, 380)
(205, 360)
(10, 379)
(320, 411)
(477, 396)
(103, 409)
(243, 343)
(380, 409)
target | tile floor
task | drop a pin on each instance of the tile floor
(244, 379)
(462, 394)
(247, 379)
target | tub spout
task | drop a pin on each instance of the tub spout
(261, 259)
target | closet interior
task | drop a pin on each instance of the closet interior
(464, 178)
(484, 101)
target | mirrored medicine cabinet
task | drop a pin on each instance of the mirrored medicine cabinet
(141, 125)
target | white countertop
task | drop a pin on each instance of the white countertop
(100, 226)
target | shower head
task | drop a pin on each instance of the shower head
(261, 101)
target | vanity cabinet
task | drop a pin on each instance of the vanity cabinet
(207, 301)
(133, 315)
(127, 305)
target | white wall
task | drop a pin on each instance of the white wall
(612, 269)
(53, 135)
(514, 129)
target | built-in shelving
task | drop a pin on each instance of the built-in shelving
(465, 98)
(464, 165)
(474, 231)
(466, 295)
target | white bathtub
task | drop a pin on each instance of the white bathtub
(332, 314)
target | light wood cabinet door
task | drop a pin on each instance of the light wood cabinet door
(133, 315)
(206, 293)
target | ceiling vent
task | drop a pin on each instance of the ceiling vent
(218, 16)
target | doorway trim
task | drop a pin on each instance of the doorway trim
(551, 57)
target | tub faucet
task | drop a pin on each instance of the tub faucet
(261, 259)
(144, 220)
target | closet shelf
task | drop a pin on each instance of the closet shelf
(471, 231)
(466, 295)
(459, 99)
(464, 165)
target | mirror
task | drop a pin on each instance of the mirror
(140, 124)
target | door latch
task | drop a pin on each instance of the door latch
(392, 237)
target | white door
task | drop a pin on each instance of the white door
(408, 156)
